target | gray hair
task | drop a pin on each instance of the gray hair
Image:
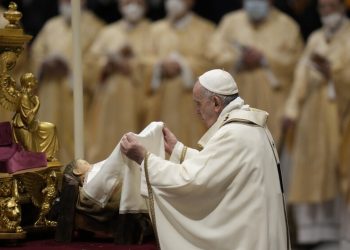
(226, 99)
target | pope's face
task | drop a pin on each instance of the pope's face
(205, 106)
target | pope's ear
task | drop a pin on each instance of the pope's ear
(217, 101)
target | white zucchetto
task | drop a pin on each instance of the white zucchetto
(218, 81)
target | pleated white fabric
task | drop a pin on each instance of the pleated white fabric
(116, 169)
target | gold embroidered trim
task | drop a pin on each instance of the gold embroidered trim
(151, 199)
(183, 154)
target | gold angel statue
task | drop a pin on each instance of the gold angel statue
(32, 134)
(43, 191)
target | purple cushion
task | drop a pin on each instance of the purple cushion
(7, 152)
(13, 157)
(6, 138)
(23, 160)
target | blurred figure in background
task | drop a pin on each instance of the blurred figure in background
(51, 59)
(345, 185)
(116, 64)
(319, 103)
(260, 46)
(178, 45)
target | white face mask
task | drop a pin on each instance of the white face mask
(132, 12)
(175, 8)
(257, 10)
(332, 21)
(65, 9)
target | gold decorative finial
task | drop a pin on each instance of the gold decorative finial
(12, 36)
(13, 16)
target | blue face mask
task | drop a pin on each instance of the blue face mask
(256, 10)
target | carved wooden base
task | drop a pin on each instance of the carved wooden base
(39, 229)
(12, 239)
(12, 236)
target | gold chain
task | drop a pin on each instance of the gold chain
(183, 154)
(151, 199)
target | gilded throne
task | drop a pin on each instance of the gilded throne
(29, 170)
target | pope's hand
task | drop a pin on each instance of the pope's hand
(132, 148)
(169, 140)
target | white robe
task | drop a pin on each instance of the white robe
(227, 196)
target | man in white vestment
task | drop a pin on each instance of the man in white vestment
(51, 55)
(178, 43)
(319, 107)
(226, 196)
(116, 63)
(260, 45)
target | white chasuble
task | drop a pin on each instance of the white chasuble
(226, 196)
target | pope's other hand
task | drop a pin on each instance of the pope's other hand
(132, 148)
(169, 140)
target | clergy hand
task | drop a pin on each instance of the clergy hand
(121, 66)
(127, 52)
(124, 67)
(251, 58)
(322, 65)
(287, 124)
(54, 66)
(169, 140)
(132, 148)
(170, 68)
